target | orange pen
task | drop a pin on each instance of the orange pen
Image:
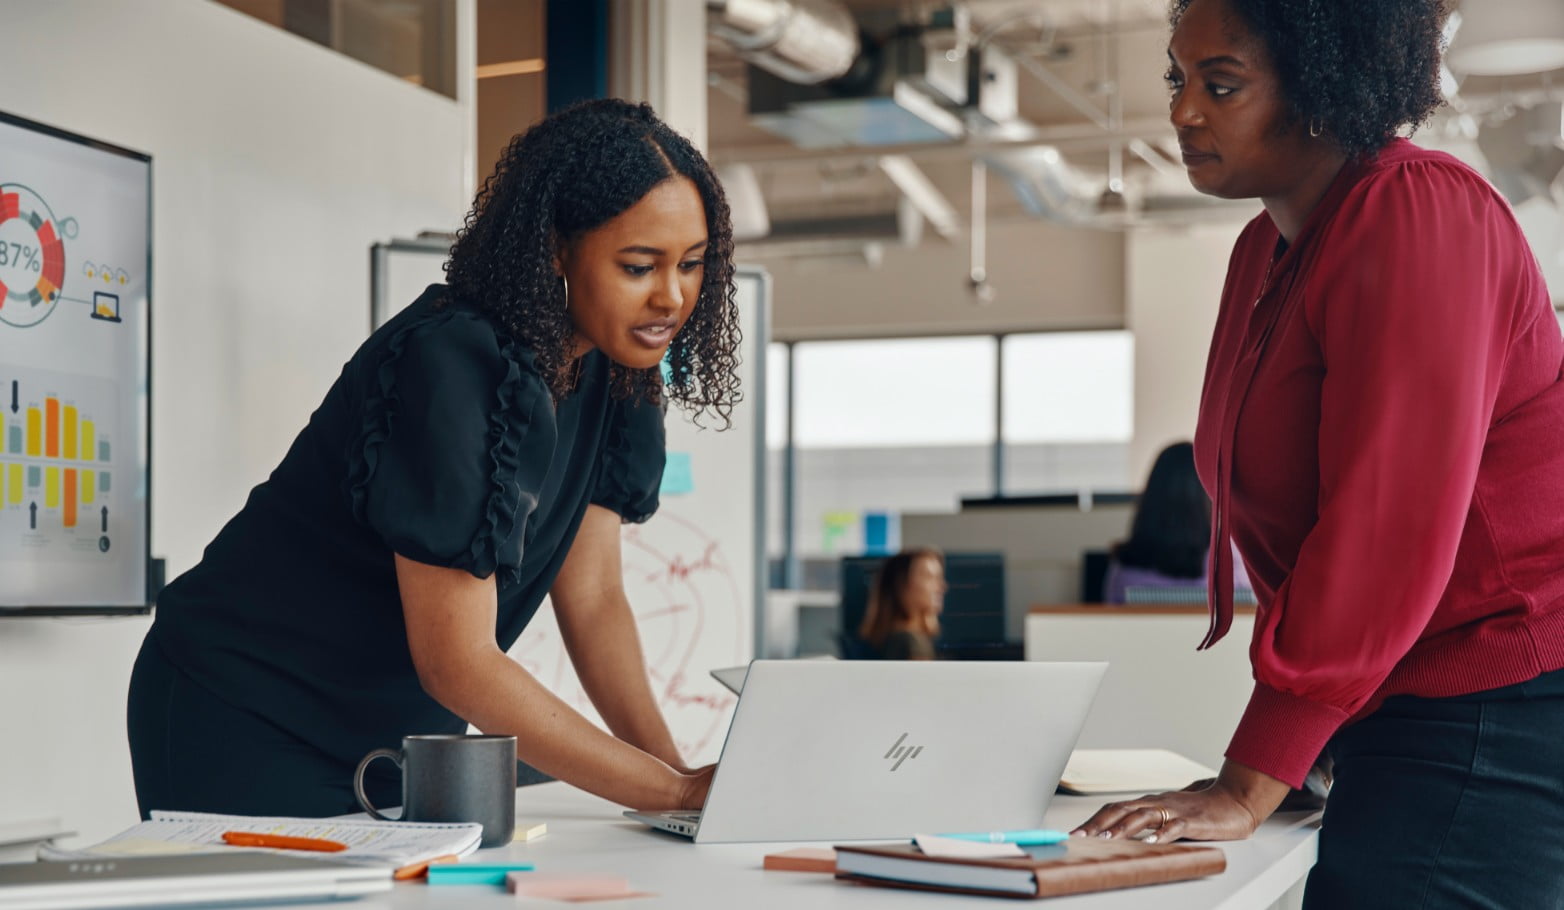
(282, 842)
(419, 870)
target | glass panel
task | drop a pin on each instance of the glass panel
(1034, 468)
(898, 393)
(850, 499)
(776, 395)
(776, 441)
(1069, 387)
(414, 40)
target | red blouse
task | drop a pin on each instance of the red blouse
(1382, 434)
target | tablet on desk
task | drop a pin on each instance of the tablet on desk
(239, 877)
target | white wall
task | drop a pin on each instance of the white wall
(1172, 286)
(276, 163)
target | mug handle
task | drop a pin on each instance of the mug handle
(358, 780)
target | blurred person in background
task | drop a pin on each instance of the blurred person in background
(908, 593)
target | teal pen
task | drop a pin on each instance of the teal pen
(1036, 837)
(474, 873)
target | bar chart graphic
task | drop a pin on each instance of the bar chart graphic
(56, 455)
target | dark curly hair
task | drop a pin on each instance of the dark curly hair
(1361, 69)
(1172, 526)
(564, 177)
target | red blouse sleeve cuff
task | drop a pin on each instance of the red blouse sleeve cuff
(1282, 734)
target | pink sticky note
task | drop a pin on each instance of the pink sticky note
(569, 887)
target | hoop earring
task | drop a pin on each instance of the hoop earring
(565, 282)
(1315, 127)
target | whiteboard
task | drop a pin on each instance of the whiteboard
(694, 573)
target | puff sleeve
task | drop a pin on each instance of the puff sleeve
(635, 450)
(458, 435)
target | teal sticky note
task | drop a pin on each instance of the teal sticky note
(474, 873)
(678, 476)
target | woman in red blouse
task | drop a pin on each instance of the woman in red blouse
(1382, 435)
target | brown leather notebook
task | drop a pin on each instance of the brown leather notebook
(1077, 866)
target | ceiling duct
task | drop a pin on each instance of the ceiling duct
(920, 86)
(897, 92)
(801, 41)
(1508, 38)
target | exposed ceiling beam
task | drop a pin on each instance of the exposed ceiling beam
(1066, 138)
(922, 194)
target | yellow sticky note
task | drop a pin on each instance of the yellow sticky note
(526, 831)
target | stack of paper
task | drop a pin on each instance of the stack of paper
(1093, 771)
(572, 888)
(371, 843)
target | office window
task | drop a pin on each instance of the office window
(884, 427)
(1068, 411)
(414, 40)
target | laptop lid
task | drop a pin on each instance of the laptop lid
(732, 678)
(868, 750)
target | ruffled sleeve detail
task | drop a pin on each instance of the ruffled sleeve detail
(458, 433)
(635, 449)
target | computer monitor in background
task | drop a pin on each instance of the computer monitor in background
(974, 614)
(1094, 575)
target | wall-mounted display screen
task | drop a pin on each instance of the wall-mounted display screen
(75, 279)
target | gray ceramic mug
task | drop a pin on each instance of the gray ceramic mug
(453, 778)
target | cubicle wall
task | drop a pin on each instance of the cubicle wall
(1159, 691)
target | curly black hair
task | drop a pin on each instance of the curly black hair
(567, 175)
(1359, 69)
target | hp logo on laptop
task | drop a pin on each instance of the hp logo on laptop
(901, 753)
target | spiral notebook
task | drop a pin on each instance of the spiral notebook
(369, 843)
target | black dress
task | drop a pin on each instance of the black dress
(282, 656)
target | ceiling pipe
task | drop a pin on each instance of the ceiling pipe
(802, 41)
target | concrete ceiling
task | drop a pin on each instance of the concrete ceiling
(1092, 47)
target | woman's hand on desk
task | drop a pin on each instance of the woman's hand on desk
(1229, 807)
(697, 784)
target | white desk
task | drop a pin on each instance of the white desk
(588, 835)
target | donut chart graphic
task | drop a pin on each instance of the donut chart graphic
(32, 257)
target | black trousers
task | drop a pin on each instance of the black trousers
(1448, 803)
(192, 751)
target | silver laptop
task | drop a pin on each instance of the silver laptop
(878, 750)
(731, 677)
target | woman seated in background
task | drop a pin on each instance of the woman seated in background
(1170, 534)
(904, 605)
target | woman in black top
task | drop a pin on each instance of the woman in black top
(477, 453)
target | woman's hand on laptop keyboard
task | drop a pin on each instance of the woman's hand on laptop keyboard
(697, 784)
